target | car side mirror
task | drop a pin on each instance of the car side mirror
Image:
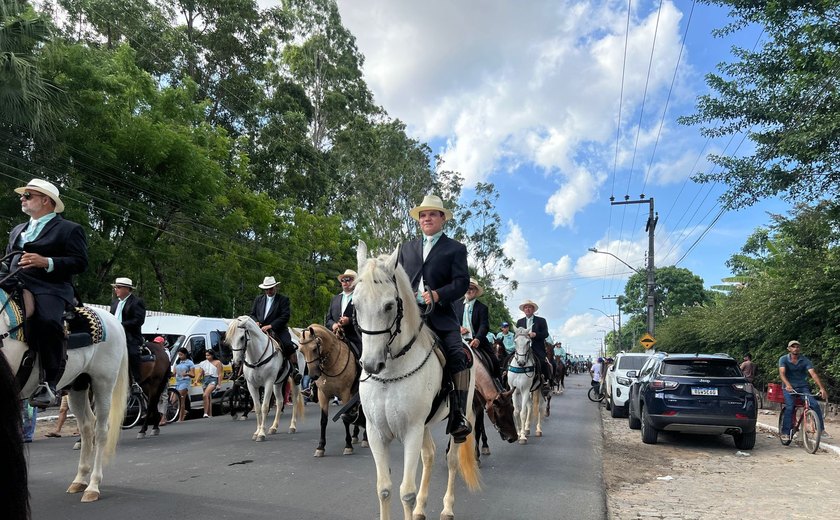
(632, 374)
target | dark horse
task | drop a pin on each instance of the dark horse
(14, 493)
(154, 380)
(491, 397)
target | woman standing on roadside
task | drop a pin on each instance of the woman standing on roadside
(213, 371)
(184, 372)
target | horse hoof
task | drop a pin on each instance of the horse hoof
(539, 434)
(548, 413)
(272, 431)
(254, 437)
(77, 445)
(354, 440)
(155, 433)
(418, 517)
(364, 444)
(141, 435)
(485, 451)
(90, 496)
(348, 451)
(447, 517)
(260, 438)
(319, 453)
(242, 418)
(292, 430)
(76, 487)
(523, 441)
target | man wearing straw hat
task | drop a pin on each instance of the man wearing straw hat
(340, 316)
(538, 328)
(437, 268)
(475, 323)
(130, 310)
(50, 251)
(271, 311)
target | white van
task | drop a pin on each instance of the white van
(196, 334)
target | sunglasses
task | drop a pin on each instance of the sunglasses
(344, 280)
(27, 195)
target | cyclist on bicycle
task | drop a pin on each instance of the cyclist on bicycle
(597, 372)
(794, 370)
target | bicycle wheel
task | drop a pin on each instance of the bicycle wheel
(133, 411)
(781, 418)
(811, 431)
(595, 395)
(173, 405)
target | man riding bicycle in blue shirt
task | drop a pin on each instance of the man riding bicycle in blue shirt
(794, 370)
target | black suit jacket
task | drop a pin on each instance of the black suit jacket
(444, 271)
(540, 328)
(335, 313)
(480, 319)
(278, 316)
(65, 243)
(133, 317)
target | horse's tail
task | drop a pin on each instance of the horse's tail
(299, 406)
(119, 401)
(468, 464)
(535, 399)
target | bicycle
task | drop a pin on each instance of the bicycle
(596, 394)
(237, 399)
(138, 405)
(804, 420)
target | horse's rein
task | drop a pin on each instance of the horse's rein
(321, 358)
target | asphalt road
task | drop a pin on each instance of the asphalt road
(210, 469)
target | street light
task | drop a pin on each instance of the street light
(650, 282)
(612, 319)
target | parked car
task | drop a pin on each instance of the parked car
(619, 378)
(693, 393)
(197, 334)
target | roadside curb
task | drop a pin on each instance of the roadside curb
(773, 429)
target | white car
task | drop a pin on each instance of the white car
(619, 378)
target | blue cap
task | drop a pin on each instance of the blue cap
(505, 324)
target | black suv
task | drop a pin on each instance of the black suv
(693, 393)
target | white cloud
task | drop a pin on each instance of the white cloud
(510, 83)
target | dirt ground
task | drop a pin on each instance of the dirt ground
(703, 477)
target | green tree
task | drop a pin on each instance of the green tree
(676, 289)
(784, 96)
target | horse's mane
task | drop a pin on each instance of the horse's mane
(377, 274)
(231, 330)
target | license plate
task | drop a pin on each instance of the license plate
(704, 391)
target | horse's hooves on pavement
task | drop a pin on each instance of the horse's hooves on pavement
(447, 517)
(141, 435)
(364, 444)
(418, 517)
(319, 453)
(90, 496)
(260, 438)
(292, 430)
(485, 451)
(348, 451)
(77, 446)
(155, 433)
(539, 434)
(272, 431)
(254, 437)
(523, 441)
(354, 440)
(76, 487)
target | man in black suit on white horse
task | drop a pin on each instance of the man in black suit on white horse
(437, 268)
(271, 311)
(51, 250)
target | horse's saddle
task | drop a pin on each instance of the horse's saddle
(82, 326)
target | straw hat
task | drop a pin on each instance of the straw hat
(792, 343)
(268, 283)
(479, 290)
(349, 272)
(123, 282)
(528, 302)
(47, 188)
(430, 202)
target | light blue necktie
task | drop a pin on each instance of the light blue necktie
(120, 310)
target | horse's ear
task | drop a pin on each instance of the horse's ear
(395, 257)
(361, 254)
(297, 332)
(311, 331)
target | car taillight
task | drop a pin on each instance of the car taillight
(744, 387)
(669, 412)
(741, 416)
(658, 384)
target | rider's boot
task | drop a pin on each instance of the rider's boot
(44, 395)
(459, 426)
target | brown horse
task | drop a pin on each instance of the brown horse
(495, 401)
(334, 368)
(154, 380)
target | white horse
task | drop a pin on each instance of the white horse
(524, 380)
(264, 367)
(104, 366)
(400, 378)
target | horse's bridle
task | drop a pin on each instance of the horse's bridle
(261, 361)
(393, 329)
(321, 358)
(517, 355)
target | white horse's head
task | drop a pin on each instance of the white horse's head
(386, 312)
(240, 333)
(522, 344)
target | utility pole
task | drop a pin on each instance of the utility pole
(650, 227)
(616, 298)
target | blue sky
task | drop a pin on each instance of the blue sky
(527, 94)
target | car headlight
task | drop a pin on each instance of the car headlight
(623, 381)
